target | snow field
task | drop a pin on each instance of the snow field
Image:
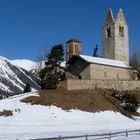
(36, 121)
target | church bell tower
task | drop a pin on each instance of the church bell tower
(73, 47)
(115, 37)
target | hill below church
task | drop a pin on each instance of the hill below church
(85, 100)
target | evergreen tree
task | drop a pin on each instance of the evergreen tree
(51, 74)
(27, 88)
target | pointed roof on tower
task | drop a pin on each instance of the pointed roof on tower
(120, 15)
(73, 40)
(110, 17)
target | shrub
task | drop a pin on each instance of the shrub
(131, 103)
(27, 88)
(6, 113)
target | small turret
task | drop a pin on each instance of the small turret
(73, 48)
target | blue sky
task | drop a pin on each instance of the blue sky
(28, 26)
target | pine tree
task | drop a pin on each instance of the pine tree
(51, 73)
(27, 88)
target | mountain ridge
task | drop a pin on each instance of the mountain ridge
(25, 64)
(13, 78)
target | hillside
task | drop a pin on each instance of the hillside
(13, 78)
(37, 121)
(91, 101)
(86, 100)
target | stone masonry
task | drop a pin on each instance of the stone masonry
(115, 37)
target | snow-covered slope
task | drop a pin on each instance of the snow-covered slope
(25, 64)
(36, 121)
(13, 78)
(30, 65)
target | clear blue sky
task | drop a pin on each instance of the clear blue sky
(26, 26)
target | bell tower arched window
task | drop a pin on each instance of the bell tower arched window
(108, 31)
(121, 31)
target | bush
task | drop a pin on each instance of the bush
(6, 113)
(27, 88)
(117, 95)
(131, 103)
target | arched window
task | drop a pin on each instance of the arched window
(108, 30)
(76, 48)
(70, 49)
(121, 31)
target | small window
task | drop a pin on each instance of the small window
(108, 32)
(70, 49)
(121, 31)
(76, 48)
(79, 77)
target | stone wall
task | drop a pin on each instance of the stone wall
(105, 72)
(97, 72)
(107, 84)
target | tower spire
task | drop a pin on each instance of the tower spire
(110, 16)
(120, 15)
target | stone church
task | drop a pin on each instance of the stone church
(114, 64)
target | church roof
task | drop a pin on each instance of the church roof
(73, 40)
(101, 61)
(105, 61)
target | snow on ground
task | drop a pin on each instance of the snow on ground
(128, 138)
(36, 121)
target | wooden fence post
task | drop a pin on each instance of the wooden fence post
(86, 137)
(109, 138)
(126, 133)
(59, 138)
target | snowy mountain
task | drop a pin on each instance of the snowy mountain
(13, 78)
(37, 121)
(25, 64)
(30, 65)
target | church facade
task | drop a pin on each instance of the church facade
(114, 64)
